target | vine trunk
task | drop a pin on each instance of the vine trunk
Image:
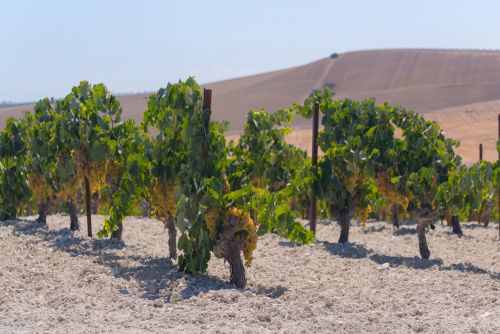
(43, 211)
(344, 221)
(384, 215)
(73, 215)
(424, 216)
(487, 213)
(172, 236)
(394, 214)
(229, 250)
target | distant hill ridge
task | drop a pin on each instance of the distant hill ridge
(425, 80)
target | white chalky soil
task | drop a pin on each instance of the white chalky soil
(54, 282)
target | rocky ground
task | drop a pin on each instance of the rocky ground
(52, 281)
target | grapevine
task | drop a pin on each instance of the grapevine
(250, 241)
(162, 200)
(43, 192)
(211, 217)
(14, 188)
(349, 181)
(386, 188)
(358, 141)
(363, 216)
(480, 213)
(95, 171)
(114, 169)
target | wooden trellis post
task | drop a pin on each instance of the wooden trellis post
(89, 211)
(312, 225)
(207, 101)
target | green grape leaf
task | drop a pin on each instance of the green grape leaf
(371, 131)
(183, 243)
(180, 222)
(134, 169)
(177, 194)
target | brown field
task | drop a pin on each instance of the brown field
(470, 128)
(441, 84)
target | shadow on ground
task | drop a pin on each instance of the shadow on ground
(152, 273)
(355, 251)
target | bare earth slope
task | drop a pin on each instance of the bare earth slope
(422, 80)
(54, 282)
(471, 124)
(441, 84)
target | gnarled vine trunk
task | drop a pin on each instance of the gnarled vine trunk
(118, 234)
(28, 209)
(229, 250)
(172, 236)
(43, 210)
(394, 214)
(343, 217)
(146, 208)
(424, 216)
(377, 215)
(58, 204)
(384, 215)
(293, 204)
(455, 224)
(73, 215)
(345, 221)
(487, 213)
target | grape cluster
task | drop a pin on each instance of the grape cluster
(115, 169)
(350, 181)
(250, 241)
(363, 216)
(81, 162)
(259, 183)
(162, 200)
(95, 171)
(72, 185)
(211, 217)
(386, 188)
(40, 187)
(278, 184)
(246, 224)
(255, 182)
(70, 188)
(226, 186)
(232, 212)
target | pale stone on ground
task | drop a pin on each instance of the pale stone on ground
(376, 283)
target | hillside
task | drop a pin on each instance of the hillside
(470, 128)
(423, 80)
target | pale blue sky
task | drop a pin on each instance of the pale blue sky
(46, 47)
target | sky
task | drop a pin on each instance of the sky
(47, 47)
